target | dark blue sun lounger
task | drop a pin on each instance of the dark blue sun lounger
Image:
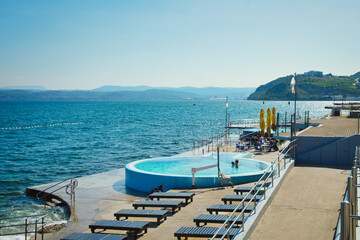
(184, 195)
(132, 228)
(159, 214)
(204, 232)
(212, 218)
(165, 204)
(239, 198)
(242, 190)
(227, 208)
(93, 236)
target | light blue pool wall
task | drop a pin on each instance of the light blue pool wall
(146, 181)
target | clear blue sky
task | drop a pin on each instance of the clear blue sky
(82, 44)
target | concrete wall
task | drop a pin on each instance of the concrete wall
(327, 151)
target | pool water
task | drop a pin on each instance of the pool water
(183, 165)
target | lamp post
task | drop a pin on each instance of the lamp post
(226, 120)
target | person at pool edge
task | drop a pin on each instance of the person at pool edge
(236, 163)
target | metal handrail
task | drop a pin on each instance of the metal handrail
(73, 182)
(277, 162)
(348, 219)
(26, 224)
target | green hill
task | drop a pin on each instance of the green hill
(311, 85)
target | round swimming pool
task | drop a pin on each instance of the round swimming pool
(175, 172)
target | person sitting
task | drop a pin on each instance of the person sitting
(157, 189)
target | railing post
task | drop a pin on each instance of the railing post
(243, 216)
(26, 225)
(351, 208)
(42, 230)
(36, 229)
(345, 217)
(264, 192)
(272, 175)
(278, 166)
(355, 203)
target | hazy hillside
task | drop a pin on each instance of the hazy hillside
(147, 95)
(30, 87)
(312, 85)
(205, 92)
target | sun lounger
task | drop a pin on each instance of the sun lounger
(242, 190)
(93, 236)
(132, 228)
(227, 208)
(184, 195)
(211, 218)
(239, 198)
(172, 204)
(159, 214)
(205, 232)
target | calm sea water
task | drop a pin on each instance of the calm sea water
(111, 134)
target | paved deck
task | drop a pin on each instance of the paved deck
(333, 127)
(306, 206)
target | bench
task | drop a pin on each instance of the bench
(93, 236)
(210, 218)
(227, 208)
(239, 198)
(184, 195)
(159, 214)
(242, 190)
(132, 228)
(205, 232)
(165, 204)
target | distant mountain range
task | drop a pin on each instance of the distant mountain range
(312, 85)
(119, 93)
(30, 87)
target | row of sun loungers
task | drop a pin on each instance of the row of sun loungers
(134, 228)
(208, 232)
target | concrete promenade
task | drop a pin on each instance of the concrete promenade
(306, 206)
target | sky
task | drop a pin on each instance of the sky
(85, 44)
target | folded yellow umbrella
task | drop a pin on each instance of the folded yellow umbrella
(268, 121)
(262, 122)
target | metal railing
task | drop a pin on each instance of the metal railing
(37, 221)
(348, 218)
(68, 184)
(270, 172)
(245, 123)
(209, 144)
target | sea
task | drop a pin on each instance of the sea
(49, 141)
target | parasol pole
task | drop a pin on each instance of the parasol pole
(294, 115)
(226, 120)
(218, 162)
(295, 105)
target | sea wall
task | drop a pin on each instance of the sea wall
(326, 151)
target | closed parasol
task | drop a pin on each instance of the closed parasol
(273, 119)
(262, 122)
(268, 121)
